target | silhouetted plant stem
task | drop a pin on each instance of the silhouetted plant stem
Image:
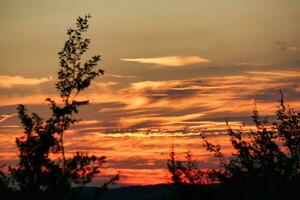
(63, 152)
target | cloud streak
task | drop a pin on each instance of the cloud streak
(253, 64)
(15, 81)
(5, 117)
(284, 45)
(146, 117)
(169, 61)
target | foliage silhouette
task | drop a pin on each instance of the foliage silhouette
(186, 176)
(265, 163)
(43, 168)
(268, 154)
(4, 183)
(187, 172)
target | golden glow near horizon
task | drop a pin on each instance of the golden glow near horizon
(173, 69)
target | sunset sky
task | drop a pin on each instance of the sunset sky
(173, 68)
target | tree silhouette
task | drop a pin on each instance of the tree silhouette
(268, 154)
(265, 162)
(73, 77)
(40, 170)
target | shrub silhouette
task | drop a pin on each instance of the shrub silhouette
(266, 160)
(187, 172)
(186, 176)
(268, 154)
(43, 168)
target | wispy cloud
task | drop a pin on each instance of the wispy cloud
(107, 84)
(253, 64)
(5, 117)
(170, 103)
(170, 61)
(284, 45)
(148, 113)
(293, 48)
(281, 73)
(119, 76)
(13, 81)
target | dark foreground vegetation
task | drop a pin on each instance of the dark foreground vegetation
(170, 192)
(265, 165)
(43, 171)
(208, 192)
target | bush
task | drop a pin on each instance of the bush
(265, 162)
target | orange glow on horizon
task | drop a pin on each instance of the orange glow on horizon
(135, 126)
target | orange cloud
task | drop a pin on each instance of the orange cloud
(12, 81)
(25, 99)
(170, 61)
(135, 125)
(281, 73)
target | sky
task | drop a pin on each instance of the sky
(173, 69)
